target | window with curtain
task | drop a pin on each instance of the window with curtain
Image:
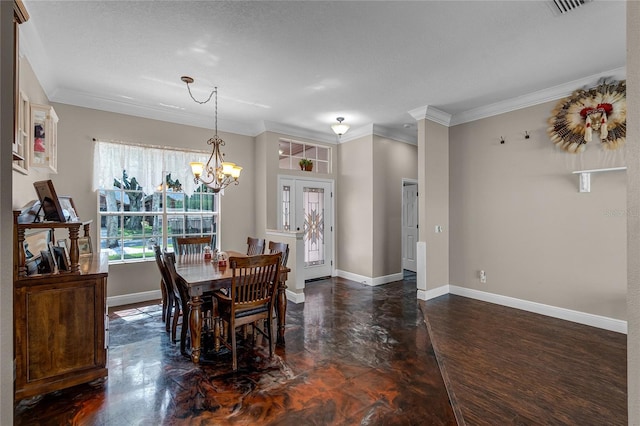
(146, 196)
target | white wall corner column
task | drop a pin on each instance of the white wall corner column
(433, 199)
(6, 219)
(633, 218)
(295, 279)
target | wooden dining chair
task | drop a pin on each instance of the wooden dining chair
(283, 248)
(255, 246)
(192, 245)
(180, 302)
(250, 298)
(168, 299)
(182, 308)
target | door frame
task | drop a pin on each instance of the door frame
(332, 198)
(406, 182)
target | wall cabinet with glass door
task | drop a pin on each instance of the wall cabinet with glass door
(43, 151)
(21, 141)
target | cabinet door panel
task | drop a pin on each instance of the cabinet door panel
(61, 329)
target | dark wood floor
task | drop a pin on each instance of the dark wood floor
(359, 355)
(353, 355)
(506, 366)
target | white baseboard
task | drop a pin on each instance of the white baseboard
(433, 293)
(127, 299)
(598, 321)
(295, 297)
(370, 280)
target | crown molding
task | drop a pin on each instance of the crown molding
(299, 132)
(431, 113)
(535, 98)
(388, 133)
(121, 106)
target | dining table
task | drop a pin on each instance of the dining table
(203, 277)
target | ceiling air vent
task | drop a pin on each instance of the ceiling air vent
(565, 6)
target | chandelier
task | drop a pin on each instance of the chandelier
(217, 174)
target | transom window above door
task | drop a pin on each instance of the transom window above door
(291, 152)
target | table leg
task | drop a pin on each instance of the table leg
(281, 310)
(195, 325)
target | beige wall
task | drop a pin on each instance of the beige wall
(433, 202)
(517, 214)
(392, 162)
(355, 207)
(23, 191)
(633, 204)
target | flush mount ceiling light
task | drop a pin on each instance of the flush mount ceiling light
(217, 174)
(340, 128)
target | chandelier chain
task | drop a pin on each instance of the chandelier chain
(214, 91)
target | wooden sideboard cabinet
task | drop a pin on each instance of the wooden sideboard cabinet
(60, 323)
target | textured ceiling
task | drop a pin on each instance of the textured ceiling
(301, 64)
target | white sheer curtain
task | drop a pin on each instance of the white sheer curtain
(146, 164)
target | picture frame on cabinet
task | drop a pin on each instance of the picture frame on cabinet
(34, 244)
(61, 258)
(53, 254)
(49, 201)
(46, 265)
(84, 246)
(68, 208)
(62, 243)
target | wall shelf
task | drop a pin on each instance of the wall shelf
(585, 176)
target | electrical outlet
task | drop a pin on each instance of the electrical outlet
(483, 277)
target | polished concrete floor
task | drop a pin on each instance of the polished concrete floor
(354, 354)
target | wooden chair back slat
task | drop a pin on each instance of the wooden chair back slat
(275, 247)
(255, 246)
(192, 245)
(254, 278)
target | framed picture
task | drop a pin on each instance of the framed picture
(62, 243)
(46, 265)
(68, 208)
(49, 201)
(84, 246)
(53, 254)
(61, 257)
(34, 244)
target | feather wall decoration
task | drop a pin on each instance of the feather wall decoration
(600, 112)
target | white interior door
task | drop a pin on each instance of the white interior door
(409, 225)
(307, 205)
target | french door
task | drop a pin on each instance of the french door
(307, 205)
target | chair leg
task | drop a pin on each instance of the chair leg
(217, 333)
(164, 300)
(170, 304)
(183, 330)
(176, 314)
(269, 326)
(232, 330)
